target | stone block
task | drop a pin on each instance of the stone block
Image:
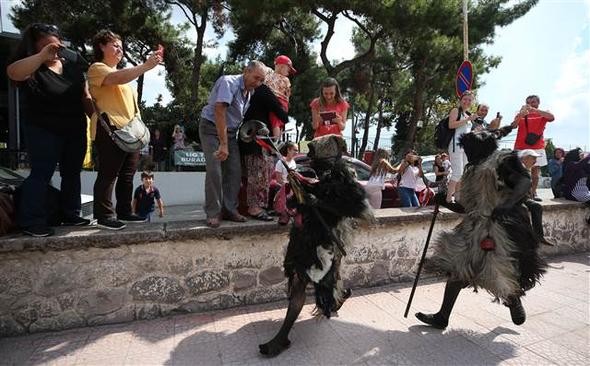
(207, 281)
(15, 277)
(30, 309)
(10, 327)
(99, 302)
(157, 288)
(401, 266)
(67, 300)
(379, 274)
(107, 273)
(271, 276)
(243, 279)
(362, 254)
(147, 311)
(355, 277)
(180, 265)
(66, 320)
(125, 314)
(402, 250)
(147, 262)
(58, 278)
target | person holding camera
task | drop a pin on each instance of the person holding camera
(410, 170)
(480, 122)
(531, 122)
(117, 103)
(55, 104)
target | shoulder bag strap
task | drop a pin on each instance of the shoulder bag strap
(101, 120)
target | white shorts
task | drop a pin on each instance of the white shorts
(458, 161)
(542, 159)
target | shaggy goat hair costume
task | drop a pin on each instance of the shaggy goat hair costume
(494, 247)
(312, 253)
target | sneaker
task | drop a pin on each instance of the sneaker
(131, 218)
(110, 224)
(537, 198)
(39, 231)
(75, 221)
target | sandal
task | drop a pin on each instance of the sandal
(235, 217)
(213, 222)
(262, 216)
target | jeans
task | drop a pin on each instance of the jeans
(408, 197)
(46, 150)
(222, 179)
(117, 165)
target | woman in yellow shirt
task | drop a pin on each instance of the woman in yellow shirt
(116, 102)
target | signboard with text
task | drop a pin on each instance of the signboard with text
(189, 158)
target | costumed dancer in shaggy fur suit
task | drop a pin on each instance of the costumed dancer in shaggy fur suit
(321, 232)
(494, 247)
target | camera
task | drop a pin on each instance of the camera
(67, 54)
(479, 120)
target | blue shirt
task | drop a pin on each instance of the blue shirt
(145, 201)
(228, 89)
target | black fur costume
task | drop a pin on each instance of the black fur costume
(494, 247)
(313, 255)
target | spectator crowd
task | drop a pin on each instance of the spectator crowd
(61, 92)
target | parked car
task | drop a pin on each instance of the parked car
(363, 172)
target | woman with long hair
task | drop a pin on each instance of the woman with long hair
(55, 101)
(379, 172)
(410, 171)
(329, 110)
(460, 120)
(117, 105)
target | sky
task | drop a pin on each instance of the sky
(546, 52)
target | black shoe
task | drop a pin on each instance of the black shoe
(110, 224)
(517, 311)
(433, 319)
(75, 221)
(131, 218)
(538, 199)
(39, 231)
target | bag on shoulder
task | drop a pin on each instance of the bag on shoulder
(530, 138)
(132, 137)
(443, 134)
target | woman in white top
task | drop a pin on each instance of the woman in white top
(460, 120)
(379, 172)
(410, 171)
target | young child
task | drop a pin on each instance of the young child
(278, 81)
(288, 150)
(144, 196)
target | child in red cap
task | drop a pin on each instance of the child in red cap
(278, 81)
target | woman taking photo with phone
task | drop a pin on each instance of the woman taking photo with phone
(55, 99)
(117, 105)
(330, 110)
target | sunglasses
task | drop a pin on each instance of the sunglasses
(45, 28)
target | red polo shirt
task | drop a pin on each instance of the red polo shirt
(536, 124)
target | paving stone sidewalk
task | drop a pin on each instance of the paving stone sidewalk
(369, 330)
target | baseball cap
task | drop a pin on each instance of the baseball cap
(528, 152)
(284, 60)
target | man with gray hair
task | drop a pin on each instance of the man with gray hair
(220, 119)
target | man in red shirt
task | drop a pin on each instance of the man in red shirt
(531, 120)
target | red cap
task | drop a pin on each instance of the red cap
(284, 60)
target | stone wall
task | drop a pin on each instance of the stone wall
(89, 277)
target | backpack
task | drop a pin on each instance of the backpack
(443, 134)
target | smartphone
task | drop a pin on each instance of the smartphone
(67, 54)
(327, 117)
(498, 115)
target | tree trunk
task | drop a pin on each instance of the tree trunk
(367, 122)
(379, 124)
(198, 59)
(418, 104)
(140, 88)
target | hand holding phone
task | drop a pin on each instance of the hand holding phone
(67, 54)
(327, 117)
